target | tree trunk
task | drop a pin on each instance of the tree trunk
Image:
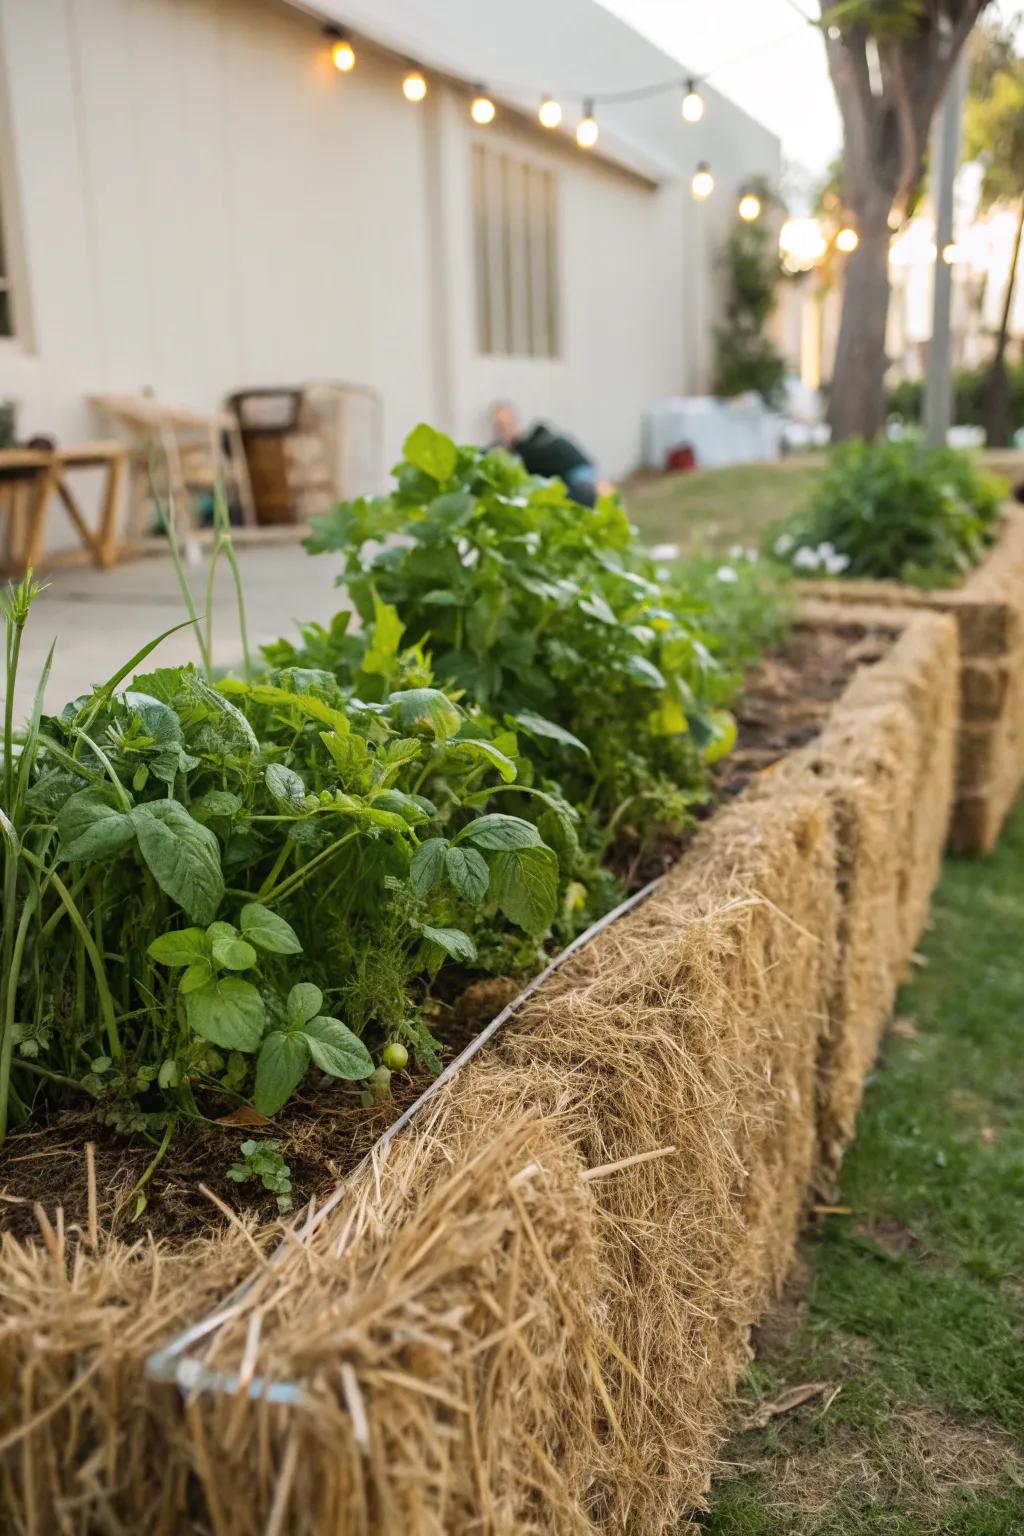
(857, 396)
(997, 385)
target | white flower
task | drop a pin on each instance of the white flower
(784, 543)
(726, 573)
(826, 551)
(664, 551)
(836, 564)
(736, 552)
(806, 558)
(751, 555)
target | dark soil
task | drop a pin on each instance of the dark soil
(324, 1134)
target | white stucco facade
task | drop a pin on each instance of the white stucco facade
(194, 201)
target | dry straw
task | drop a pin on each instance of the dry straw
(527, 1315)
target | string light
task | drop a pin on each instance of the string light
(693, 103)
(749, 207)
(343, 55)
(587, 129)
(550, 113)
(847, 239)
(703, 183)
(482, 109)
(952, 253)
(414, 87)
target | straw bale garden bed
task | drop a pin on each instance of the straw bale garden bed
(882, 526)
(525, 1311)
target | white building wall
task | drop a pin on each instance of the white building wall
(202, 204)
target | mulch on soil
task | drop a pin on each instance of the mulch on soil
(324, 1134)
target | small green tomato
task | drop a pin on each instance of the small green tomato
(395, 1056)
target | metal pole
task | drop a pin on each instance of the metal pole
(938, 384)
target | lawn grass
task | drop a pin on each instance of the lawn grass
(715, 508)
(912, 1306)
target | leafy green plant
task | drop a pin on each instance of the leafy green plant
(263, 1160)
(902, 510)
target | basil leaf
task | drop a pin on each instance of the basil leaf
(268, 931)
(536, 725)
(285, 786)
(336, 1050)
(453, 941)
(499, 831)
(432, 452)
(490, 753)
(197, 975)
(92, 824)
(182, 947)
(524, 883)
(182, 855)
(304, 1000)
(229, 1013)
(280, 1068)
(427, 865)
(233, 954)
(427, 711)
(467, 870)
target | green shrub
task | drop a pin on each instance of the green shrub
(900, 510)
(906, 398)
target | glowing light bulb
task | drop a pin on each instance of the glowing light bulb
(550, 113)
(847, 239)
(693, 103)
(414, 87)
(482, 109)
(952, 253)
(703, 183)
(749, 207)
(587, 129)
(343, 55)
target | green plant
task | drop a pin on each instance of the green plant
(900, 510)
(263, 1160)
(747, 358)
(905, 398)
(541, 613)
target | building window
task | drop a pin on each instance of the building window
(515, 216)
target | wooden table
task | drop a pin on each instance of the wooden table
(29, 477)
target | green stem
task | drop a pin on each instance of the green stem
(152, 1166)
(13, 652)
(7, 1035)
(291, 885)
(268, 885)
(80, 927)
(179, 571)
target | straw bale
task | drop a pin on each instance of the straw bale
(989, 614)
(529, 1315)
(885, 764)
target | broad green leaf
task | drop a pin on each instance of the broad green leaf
(536, 725)
(524, 882)
(490, 753)
(220, 802)
(268, 931)
(643, 671)
(184, 946)
(197, 975)
(336, 1050)
(92, 824)
(306, 705)
(499, 831)
(304, 1000)
(233, 954)
(453, 941)
(182, 855)
(595, 607)
(403, 805)
(430, 451)
(427, 865)
(669, 719)
(382, 652)
(285, 786)
(162, 724)
(467, 870)
(280, 1068)
(717, 734)
(427, 711)
(229, 1013)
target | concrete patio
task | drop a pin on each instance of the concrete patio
(100, 618)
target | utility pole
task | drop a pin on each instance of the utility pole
(938, 384)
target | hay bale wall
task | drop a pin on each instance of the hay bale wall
(529, 1316)
(885, 762)
(989, 612)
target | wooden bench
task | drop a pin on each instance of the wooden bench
(29, 477)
